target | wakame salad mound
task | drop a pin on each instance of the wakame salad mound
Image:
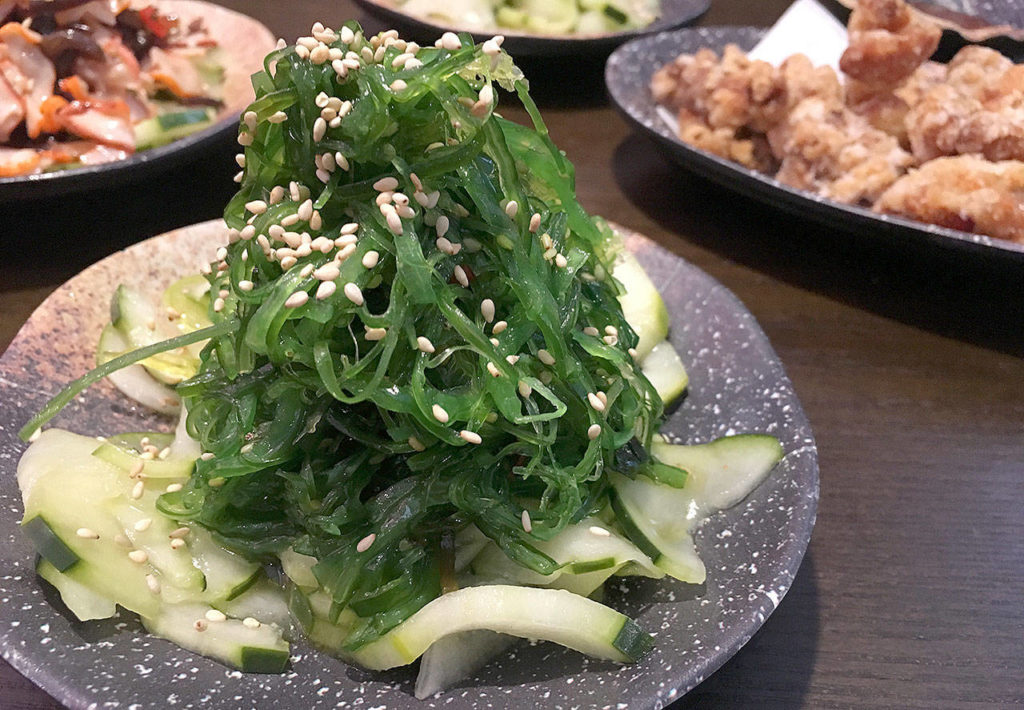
(430, 392)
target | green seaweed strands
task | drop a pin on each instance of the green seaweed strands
(427, 333)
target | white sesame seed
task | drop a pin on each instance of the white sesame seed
(416, 444)
(432, 199)
(325, 290)
(527, 523)
(512, 208)
(594, 431)
(249, 622)
(495, 342)
(595, 402)
(323, 175)
(487, 310)
(207, 456)
(305, 210)
(277, 117)
(138, 466)
(611, 340)
(499, 327)
(384, 198)
(535, 222)
(365, 543)
(394, 222)
(545, 357)
(173, 488)
(245, 140)
(451, 41)
(424, 344)
(591, 330)
(599, 531)
(319, 129)
(353, 293)
(215, 615)
(87, 534)
(550, 253)
(153, 583)
(445, 246)
(511, 359)
(138, 556)
(297, 299)
(122, 540)
(461, 277)
(345, 253)
(306, 270)
(240, 160)
(493, 369)
(400, 198)
(374, 334)
(386, 184)
(398, 85)
(177, 543)
(321, 100)
(405, 211)
(349, 228)
(443, 223)
(524, 389)
(470, 436)
(370, 259)
(179, 533)
(603, 397)
(546, 241)
(490, 48)
(201, 624)
(400, 60)
(288, 262)
(560, 261)
(256, 206)
(439, 413)
(137, 490)
(143, 524)
(248, 232)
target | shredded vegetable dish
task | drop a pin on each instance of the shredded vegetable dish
(430, 392)
(84, 82)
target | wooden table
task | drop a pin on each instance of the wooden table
(908, 364)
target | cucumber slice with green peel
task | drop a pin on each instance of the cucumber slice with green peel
(264, 601)
(588, 551)
(664, 369)
(49, 545)
(249, 648)
(546, 614)
(134, 381)
(151, 532)
(227, 573)
(660, 519)
(724, 471)
(189, 298)
(137, 320)
(642, 305)
(82, 601)
(299, 568)
(458, 656)
(168, 127)
(127, 461)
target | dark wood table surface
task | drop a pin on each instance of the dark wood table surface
(908, 363)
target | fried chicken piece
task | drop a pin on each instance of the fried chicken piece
(887, 42)
(743, 147)
(826, 148)
(887, 109)
(979, 110)
(962, 192)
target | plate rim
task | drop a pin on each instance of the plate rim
(766, 189)
(754, 614)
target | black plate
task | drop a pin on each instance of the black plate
(628, 74)
(752, 551)
(245, 42)
(674, 13)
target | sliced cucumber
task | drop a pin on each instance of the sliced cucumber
(723, 472)
(168, 127)
(458, 656)
(641, 303)
(547, 614)
(228, 574)
(664, 368)
(660, 519)
(264, 601)
(299, 568)
(151, 533)
(587, 557)
(189, 297)
(82, 601)
(134, 381)
(253, 649)
(137, 320)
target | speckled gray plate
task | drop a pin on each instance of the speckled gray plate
(244, 43)
(752, 552)
(674, 13)
(628, 75)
